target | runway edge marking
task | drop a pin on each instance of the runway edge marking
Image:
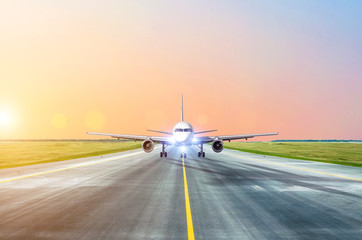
(71, 167)
(190, 227)
(300, 168)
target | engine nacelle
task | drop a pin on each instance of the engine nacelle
(217, 146)
(148, 145)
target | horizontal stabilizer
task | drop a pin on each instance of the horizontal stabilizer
(169, 133)
(205, 131)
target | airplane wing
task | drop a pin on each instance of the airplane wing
(134, 137)
(245, 136)
(230, 137)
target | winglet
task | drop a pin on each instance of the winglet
(182, 107)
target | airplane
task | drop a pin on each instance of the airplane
(183, 135)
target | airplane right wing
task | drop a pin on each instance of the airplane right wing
(135, 137)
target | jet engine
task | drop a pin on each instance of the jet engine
(217, 146)
(148, 145)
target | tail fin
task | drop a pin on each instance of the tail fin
(182, 107)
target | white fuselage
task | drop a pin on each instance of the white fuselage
(183, 133)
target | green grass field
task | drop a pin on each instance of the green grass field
(20, 153)
(338, 153)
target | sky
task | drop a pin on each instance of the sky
(293, 67)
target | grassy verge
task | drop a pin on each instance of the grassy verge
(338, 153)
(20, 153)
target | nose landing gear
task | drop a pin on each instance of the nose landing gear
(183, 155)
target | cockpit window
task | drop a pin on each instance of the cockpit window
(183, 130)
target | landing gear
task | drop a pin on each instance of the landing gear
(183, 155)
(163, 153)
(201, 153)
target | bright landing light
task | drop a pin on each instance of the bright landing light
(183, 149)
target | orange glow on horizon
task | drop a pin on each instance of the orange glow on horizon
(74, 67)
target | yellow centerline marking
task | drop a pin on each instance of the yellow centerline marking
(305, 169)
(190, 227)
(71, 167)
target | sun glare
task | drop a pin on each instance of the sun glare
(5, 119)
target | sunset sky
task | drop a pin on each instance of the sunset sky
(67, 67)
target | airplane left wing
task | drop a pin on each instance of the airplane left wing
(245, 136)
(230, 137)
(134, 137)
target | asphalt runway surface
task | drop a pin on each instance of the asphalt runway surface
(135, 195)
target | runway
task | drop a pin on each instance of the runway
(135, 195)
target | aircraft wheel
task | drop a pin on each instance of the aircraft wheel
(181, 155)
(184, 155)
(161, 154)
(165, 154)
(203, 154)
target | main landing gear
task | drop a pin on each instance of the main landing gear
(163, 153)
(201, 153)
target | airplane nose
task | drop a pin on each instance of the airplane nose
(181, 137)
